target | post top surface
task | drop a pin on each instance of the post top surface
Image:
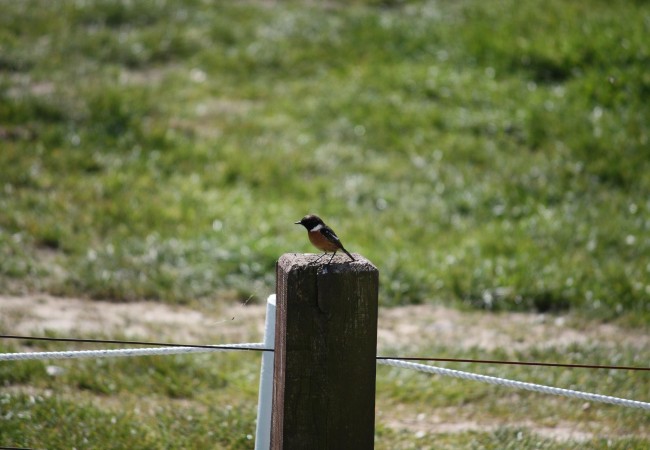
(340, 263)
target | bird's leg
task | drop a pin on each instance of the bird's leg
(318, 259)
(333, 255)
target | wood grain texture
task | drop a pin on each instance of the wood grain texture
(326, 343)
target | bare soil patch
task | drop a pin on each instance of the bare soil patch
(401, 328)
(144, 320)
(416, 326)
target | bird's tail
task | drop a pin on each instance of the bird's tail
(348, 253)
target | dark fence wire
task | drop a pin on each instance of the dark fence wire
(399, 358)
(123, 342)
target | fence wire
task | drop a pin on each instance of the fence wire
(516, 384)
(173, 349)
(155, 351)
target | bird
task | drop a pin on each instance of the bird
(322, 236)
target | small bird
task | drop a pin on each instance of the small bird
(322, 236)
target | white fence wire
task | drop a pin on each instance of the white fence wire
(156, 351)
(516, 384)
(390, 362)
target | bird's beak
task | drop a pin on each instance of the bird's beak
(297, 223)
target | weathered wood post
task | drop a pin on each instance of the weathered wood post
(325, 349)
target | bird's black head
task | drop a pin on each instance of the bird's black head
(310, 221)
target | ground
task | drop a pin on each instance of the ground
(402, 330)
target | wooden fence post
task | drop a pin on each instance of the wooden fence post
(325, 349)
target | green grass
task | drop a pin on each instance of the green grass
(50, 422)
(478, 152)
(484, 154)
(196, 401)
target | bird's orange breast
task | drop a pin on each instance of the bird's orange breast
(321, 242)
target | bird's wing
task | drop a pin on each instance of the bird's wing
(330, 235)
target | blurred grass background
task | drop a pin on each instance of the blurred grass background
(483, 154)
(493, 154)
